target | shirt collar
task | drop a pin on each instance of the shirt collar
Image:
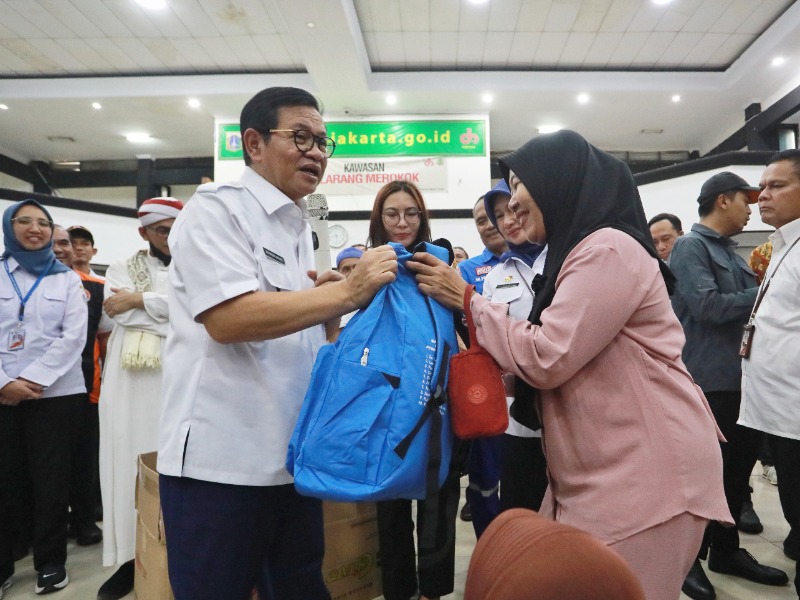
(785, 235)
(708, 232)
(268, 196)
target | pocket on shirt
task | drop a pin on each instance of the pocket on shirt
(505, 293)
(9, 305)
(276, 274)
(53, 305)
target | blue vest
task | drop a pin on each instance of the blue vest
(375, 424)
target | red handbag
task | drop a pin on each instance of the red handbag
(475, 387)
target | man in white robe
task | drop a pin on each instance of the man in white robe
(130, 399)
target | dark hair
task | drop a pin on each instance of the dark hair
(261, 111)
(673, 220)
(462, 249)
(792, 155)
(706, 207)
(377, 231)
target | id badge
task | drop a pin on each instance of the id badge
(16, 340)
(748, 330)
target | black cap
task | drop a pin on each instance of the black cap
(80, 232)
(726, 182)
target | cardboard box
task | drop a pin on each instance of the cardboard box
(350, 566)
(151, 581)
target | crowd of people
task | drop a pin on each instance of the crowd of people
(646, 370)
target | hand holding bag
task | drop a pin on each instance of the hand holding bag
(477, 395)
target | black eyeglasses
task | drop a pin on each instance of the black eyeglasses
(392, 217)
(305, 140)
(28, 221)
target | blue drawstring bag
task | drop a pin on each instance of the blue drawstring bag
(375, 422)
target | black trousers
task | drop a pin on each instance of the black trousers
(739, 455)
(436, 565)
(35, 442)
(523, 473)
(787, 466)
(85, 463)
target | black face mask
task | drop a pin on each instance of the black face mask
(164, 258)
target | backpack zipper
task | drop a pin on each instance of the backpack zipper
(365, 357)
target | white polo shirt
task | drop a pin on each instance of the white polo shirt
(229, 409)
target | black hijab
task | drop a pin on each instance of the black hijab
(579, 189)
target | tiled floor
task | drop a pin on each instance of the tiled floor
(86, 574)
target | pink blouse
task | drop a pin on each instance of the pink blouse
(629, 438)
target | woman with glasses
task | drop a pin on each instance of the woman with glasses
(399, 215)
(632, 447)
(42, 333)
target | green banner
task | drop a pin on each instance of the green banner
(408, 138)
(229, 144)
(385, 138)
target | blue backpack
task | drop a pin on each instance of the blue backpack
(375, 423)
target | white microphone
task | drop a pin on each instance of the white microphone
(318, 213)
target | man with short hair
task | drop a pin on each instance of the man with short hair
(483, 463)
(770, 374)
(83, 250)
(246, 321)
(62, 246)
(714, 294)
(130, 397)
(665, 229)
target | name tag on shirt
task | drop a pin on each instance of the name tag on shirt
(272, 256)
(16, 339)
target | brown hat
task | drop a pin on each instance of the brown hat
(522, 556)
(80, 232)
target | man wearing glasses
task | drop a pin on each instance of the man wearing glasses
(130, 397)
(247, 317)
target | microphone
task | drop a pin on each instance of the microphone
(318, 219)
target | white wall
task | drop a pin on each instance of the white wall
(679, 196)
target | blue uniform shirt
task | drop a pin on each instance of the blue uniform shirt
(474, 270)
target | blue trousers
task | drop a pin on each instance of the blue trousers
(483, 468)
(225, 540)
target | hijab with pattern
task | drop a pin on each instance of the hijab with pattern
(579, 189)
(34, 262)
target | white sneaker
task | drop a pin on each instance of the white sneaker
(770, 474)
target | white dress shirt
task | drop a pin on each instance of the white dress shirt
(771, 376)
(55, 330)
(229, 410)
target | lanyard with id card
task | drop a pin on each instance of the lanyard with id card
(16, 339)
(749, 328)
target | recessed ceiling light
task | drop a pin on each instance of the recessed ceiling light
(193, 102)
(549, 128)
(661, 1)
(391, 99)
(478, 1)
(152, 4)
(310, 24)
(676, 98)
(138, 138)
(487, 98)
(3, 107)
(97, 105)
(778, 61)
(583, 98)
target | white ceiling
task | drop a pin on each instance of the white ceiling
(436, 56)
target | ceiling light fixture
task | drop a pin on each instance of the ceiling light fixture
(152, 4)
(583, 98)
(3, 107)
(661, 1)
(549, 128)
(139, 138)
(193, 103)
(391, 99)
(97, 105)
(478, 1)
(487, 98)
(310, 24)
(778, 61)
(676, 98)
